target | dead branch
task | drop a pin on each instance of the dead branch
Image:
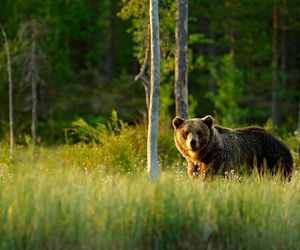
(141, 75)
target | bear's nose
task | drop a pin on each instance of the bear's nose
(193, 143)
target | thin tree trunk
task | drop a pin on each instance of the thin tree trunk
(283, 57)
(181, 64)
(34, 123)
(275, 102)
(10, 96)
(152, 158)
(231, 27)
(232, 30)
(232, 39)
(110, 51)
(212, 57)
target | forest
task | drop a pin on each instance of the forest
(75, 109)
(242, 67)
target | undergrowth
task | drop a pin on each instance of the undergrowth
(119, 147)
(94, 193)
(61, 207)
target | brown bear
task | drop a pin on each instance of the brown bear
(209, 148)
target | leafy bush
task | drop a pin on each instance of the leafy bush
(294, 144)
(84, 132)
(119, 147)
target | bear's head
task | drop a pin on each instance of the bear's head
(192, 134)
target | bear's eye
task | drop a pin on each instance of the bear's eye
(185, 134)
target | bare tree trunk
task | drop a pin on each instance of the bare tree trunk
(231, 4)
(232, 39)
(10, 96)
(275, 102)
(212, 57)
(283, 68)
(110, 51)
(34, 123)
(152, 158)
(181, 64)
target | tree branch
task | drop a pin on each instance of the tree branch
(141, 75)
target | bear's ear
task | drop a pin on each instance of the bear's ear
(177, 122)
(208, 120)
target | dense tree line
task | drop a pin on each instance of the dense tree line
(243, 61)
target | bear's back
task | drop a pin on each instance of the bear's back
(255, 146)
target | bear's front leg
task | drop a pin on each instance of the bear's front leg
(193, 169)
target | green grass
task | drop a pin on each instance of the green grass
(67, 200)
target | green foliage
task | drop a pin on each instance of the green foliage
(124, 95)
(87, 133)
(199, 38)
(138, 13)
(230, 83)
(84, 131)
(294, 144)
(269, 126)
(192, 106)
(165, 101)
(77, 39)
(121, 148)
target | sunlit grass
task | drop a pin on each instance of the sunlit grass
(56, 203)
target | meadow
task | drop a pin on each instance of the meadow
(98, 196)
(78, 178)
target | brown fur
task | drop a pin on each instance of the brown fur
(212, 149)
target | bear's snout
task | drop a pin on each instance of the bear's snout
(193, 144)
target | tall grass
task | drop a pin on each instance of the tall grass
(98, 196)
(44, 207)
(120, 148)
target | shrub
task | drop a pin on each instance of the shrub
(120, 147)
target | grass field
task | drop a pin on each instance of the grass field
(66, 199)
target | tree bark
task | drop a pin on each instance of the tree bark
(212, 57)
(152, 158)
(10, 96)
(181, 64)
(275, 101)
(283, 57)
(34, 123)
(232, 35)
(232, 29)
(110, 50)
